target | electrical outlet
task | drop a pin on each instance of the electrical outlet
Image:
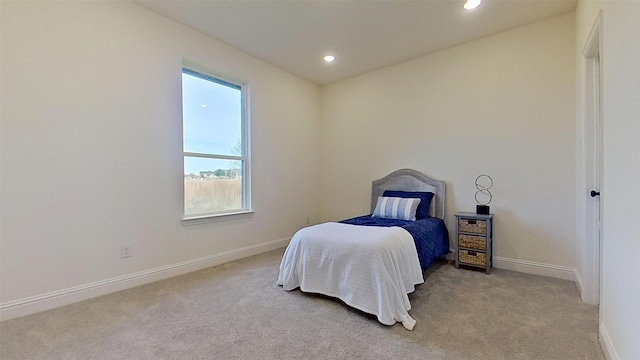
(125, 250)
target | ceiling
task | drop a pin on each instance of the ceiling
(363, 35)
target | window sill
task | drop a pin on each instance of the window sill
(203, 219)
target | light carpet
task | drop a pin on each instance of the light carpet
(235, 311)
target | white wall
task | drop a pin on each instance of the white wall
(620, 57)
(91, 151)
(502, 105)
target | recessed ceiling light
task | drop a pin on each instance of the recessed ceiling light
(472, 4)
(329, 58)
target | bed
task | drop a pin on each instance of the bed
(373, 262)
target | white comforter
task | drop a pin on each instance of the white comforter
(369, 268)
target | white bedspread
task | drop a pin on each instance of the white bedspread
(369, 268)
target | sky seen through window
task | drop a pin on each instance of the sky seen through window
(211, 123)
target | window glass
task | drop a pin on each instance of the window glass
(214, 145)
(212, 185)
(212, 114)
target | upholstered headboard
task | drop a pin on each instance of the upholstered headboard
(411, 180)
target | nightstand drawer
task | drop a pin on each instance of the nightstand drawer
(472, 226)
(472, 242)
(472, 257)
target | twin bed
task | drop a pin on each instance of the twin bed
(372, 262)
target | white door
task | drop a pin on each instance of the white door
(594, 164)
(596, 176)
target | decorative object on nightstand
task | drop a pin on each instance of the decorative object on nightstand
(474, 240)
(483, 184)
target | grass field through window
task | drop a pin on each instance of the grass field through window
(205, 195)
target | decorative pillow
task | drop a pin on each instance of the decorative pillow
(396, 208)
(425, 200)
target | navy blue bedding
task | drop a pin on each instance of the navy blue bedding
(430, 235)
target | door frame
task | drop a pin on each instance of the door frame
(593, 160)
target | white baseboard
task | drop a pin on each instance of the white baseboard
(606, 344)
(578, 277)
(51, 300)
(535, 268)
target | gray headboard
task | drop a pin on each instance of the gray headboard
(410, 180)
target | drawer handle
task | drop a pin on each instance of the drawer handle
(472, 253)
(471, 222)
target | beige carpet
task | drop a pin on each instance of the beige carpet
(235, 311)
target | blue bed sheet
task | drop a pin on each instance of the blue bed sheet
(430, 235)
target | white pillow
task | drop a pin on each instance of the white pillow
(396, 208)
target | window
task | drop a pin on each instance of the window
(215, 145)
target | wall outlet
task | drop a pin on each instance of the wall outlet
(125, 250)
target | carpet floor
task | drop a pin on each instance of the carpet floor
(235, 311)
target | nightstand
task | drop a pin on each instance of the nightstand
(474, 240)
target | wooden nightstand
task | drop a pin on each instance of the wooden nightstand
(474, 240)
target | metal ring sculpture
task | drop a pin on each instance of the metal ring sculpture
(483, 188)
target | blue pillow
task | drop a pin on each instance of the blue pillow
(425, 200)
(396, 208)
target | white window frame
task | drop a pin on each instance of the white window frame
(245, 157)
